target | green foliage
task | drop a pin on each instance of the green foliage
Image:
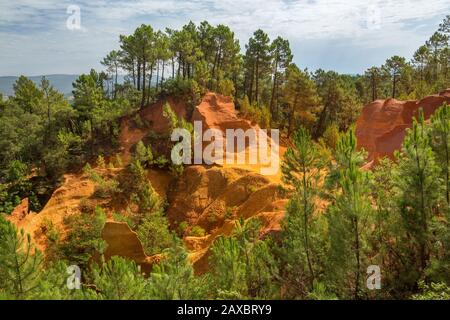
(20, 262)
(440, 133)
(173, 278)
(105, 187)
(434, 291)
(396, 216)
(143, 154)
(84, 237)
(302, 247)
(197, 231)
(348, 216)
(228, 266)
(118, 279)
(242, 265)
(339, 100)
(137, 194)
(53, 285)
(154, 233)
(418, 184)
(331, 136)
(300, 94)
(226, 87)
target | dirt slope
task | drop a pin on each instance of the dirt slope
(218, 112)
(65, 201)
(381, 127)
(130, 134)
(215, 198)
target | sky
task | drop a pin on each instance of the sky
(38, 36)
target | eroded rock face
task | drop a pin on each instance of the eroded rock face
(218, 112)
(65, 201)
(20, 212)
(215, 199)
(124, 242)
(381, 127)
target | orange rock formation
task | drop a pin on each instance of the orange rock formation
(381, 127)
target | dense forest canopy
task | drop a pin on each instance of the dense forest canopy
(396, 216)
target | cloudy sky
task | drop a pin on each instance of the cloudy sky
(344, 35)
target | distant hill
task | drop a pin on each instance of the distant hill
(61, 82)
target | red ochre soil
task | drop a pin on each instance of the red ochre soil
(212, 197)
(381, 127)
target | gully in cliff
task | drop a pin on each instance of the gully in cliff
(213, 146)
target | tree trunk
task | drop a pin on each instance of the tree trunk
(150, 84)
(321, 122)
(213, 72)
(157, 75)
(358, 260)
(173, 67)
(394, 87)
(179, 65)
(257, 80)
(115, 85)
(162, 75)
(250, 95)
(272, 99)
(291, 118)
(143, 85)
(306, 222)
(373, 88)
(139, 76)
(133, 74)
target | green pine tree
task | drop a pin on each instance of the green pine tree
(348, 217)
(173, 278)
(118, 279)
(418, 184)
(20, 262)
(301, 171)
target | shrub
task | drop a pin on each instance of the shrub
(331, 136)
(101, 162)
(118, 163)
(143, 154)
(226, 87)
(154, 233)
(197, 231)
(182, 227)
(228, 213)
(84, 236)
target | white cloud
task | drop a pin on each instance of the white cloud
(389, 25)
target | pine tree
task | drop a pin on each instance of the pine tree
(301, 171)
(440, 139)
(173, 278)
(228, 268)
(143, 154)
(418, 186)
(301, 96)
(20, 262)
(281, 58)
(348, 219)
(243, 266)
(440, 131)
(394, 68)
(118, 279)
(373, 76)
(258, 61)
